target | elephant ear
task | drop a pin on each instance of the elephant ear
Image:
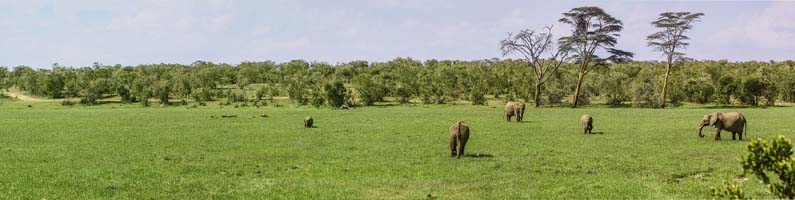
(714, 118)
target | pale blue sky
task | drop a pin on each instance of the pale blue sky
(39, 33)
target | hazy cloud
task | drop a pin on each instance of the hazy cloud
(80, 32)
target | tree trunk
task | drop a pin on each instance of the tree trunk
(577, 90)
(538, 94)
(665, 84)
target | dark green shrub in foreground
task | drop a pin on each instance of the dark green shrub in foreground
(773, 157)
(766, 158)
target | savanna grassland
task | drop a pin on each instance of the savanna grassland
(122, 151)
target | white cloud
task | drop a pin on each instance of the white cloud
(774, 27)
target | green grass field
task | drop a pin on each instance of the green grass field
(117, 151)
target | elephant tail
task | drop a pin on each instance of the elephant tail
(459, 124)
(745, 129)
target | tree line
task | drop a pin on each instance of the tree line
(571, 70)
(404, 80)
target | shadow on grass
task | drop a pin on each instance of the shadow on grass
(743, 106)
(620, 106)
(596, 133)
(479, 155)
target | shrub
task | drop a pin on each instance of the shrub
(698, 91)
(615, 88)
(728, 87)
(644, 90)
(201, 95)
(773, 156)
(730, 190)
(316, 98)
(369, 90)
(752, 89)
(478, 97)
(336, 94)
(67, 103)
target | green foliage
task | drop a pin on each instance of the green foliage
(644, 89)
(317, 97)
(773, 156)
(370, 89)
(729, 86)
(336, 94)
(730, 190)
(404, 80)
(592, 30)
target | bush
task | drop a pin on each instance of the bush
(698, 91)
(201, 95)
(772, 156)
(336, 94)
(369, 90)
(316, 98)
(478, 97)
(67, 103)
(644, 89)
(730, 190)
(752, 89)
(615, 89)
(728, 87)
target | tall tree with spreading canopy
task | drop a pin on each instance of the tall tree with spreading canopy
(670, 40)
(592, 30)
(532, 45)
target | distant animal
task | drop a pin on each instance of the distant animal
(587, 123)
(459, 134)
(514, 109)
(308, 121)
(729, 121)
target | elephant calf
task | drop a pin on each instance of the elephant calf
(730, 121)
(308, 122)
(459, 134)
(587, 123)
(514, 109)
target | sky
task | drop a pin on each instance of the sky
(39, 33)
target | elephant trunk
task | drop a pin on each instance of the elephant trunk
(700, 127)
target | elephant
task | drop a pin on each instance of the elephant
(587, 123)
(459, 134)
(514, 108)
(308, 121)
(730, 121)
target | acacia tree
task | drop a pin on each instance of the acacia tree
(531, 45)
(671, 39)
(592, 30)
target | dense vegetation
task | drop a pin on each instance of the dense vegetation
(406, 80)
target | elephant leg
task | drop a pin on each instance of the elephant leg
(508, 117)
(453, 145)
(461, 148)
(717, 134)
(740, 133)
(518, 118)
(734, 133)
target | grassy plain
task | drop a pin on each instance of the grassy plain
(115, 151)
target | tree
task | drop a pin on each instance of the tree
(592, 30)
(671, 39)
(3, 80)
(531, 45)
